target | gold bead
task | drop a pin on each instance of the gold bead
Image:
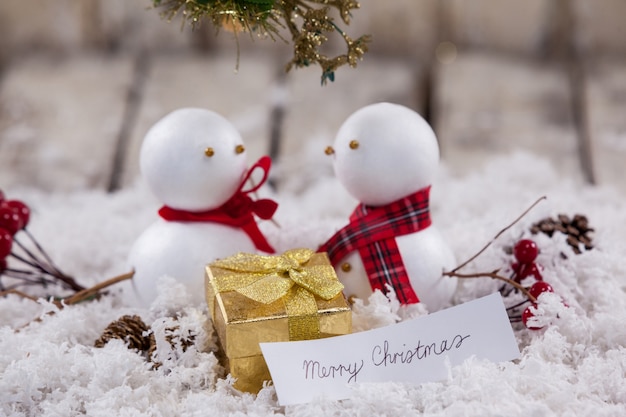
(346, 267)
(354, 144)
(239, 149)
(329, 150)
(209, 152)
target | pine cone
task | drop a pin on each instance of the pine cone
(576, 229)
(131, 330)
(185, 342)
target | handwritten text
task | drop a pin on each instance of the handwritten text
(314, 369)
(384, 356)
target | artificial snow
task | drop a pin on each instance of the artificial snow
(574, 366)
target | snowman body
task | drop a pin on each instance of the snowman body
(425, 255)
(382, 153)
(192, 160)
(181, 250)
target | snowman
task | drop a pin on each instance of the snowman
(194, 162)
(386, 156)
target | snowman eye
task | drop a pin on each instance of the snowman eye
(329, 150)
(209, 152)
(239, 149)
(354, 144)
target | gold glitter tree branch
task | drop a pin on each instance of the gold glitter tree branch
(308, 23)
(245, 15)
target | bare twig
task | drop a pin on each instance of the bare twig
(46, 267)
(497, 236)
(43, 252)
(67, 281)
(73, 299)
(79, 296)
(493, 275)
(88, 292)
(18, 293)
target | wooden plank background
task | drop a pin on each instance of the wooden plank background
(82, 80)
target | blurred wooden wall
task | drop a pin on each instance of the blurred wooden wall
(491, 76)
(412, 28)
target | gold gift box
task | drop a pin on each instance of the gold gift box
(242, 323)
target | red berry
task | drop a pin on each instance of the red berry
(3, 265)
(525, 251)
(526, 315)
(9, 220)
(6, 241)
(525, 270)
(540, 287)
(20, 209)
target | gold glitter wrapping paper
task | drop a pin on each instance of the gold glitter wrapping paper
(276, 307)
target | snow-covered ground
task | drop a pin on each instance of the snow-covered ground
(576, 366)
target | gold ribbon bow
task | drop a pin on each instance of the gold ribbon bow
(289, 277)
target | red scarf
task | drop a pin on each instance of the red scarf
(372, 231)
(239, 211)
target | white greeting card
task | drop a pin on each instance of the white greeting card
(416, 351)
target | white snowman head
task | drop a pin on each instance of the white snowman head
(193, 159)
(384, 152)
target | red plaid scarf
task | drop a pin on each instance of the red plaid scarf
(239, 211)
(372, 231)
